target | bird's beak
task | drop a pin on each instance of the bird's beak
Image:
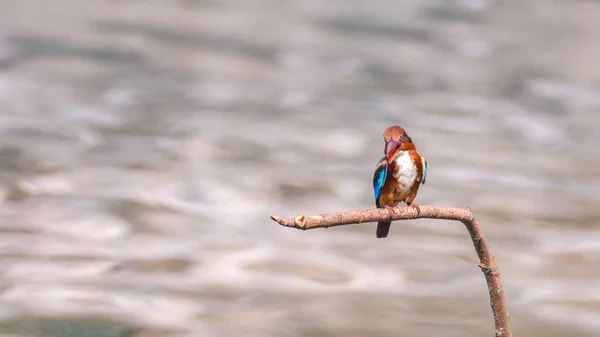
(391, 147)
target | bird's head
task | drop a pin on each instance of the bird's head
(396, 140)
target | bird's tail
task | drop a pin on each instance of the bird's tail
(383, 228)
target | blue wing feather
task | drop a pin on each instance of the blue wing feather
(424, 170)
(379, 179)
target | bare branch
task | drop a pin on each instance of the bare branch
(465, 215)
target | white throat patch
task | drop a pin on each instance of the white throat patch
(407, 171)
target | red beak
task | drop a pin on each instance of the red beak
(390, 149)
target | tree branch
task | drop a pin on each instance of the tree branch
(465, 215)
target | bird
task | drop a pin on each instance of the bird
(398, 175)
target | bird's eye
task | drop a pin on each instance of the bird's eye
(401, 139)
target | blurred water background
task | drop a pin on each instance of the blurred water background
(144, 143)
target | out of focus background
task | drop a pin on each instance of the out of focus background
(144, 143)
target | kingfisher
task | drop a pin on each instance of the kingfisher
(398, 175)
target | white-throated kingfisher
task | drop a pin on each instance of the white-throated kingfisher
(398, 174)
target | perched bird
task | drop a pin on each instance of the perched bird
(398, 174)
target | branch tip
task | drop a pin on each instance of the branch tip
(279, 220)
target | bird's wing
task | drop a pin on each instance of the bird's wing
(379, 179)
(424, 169)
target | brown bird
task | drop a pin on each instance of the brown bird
(398, 175)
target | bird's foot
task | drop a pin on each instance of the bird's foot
(390, 210)
(415, 206)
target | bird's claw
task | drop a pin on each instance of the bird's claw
(390, 210)
(415, 206)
